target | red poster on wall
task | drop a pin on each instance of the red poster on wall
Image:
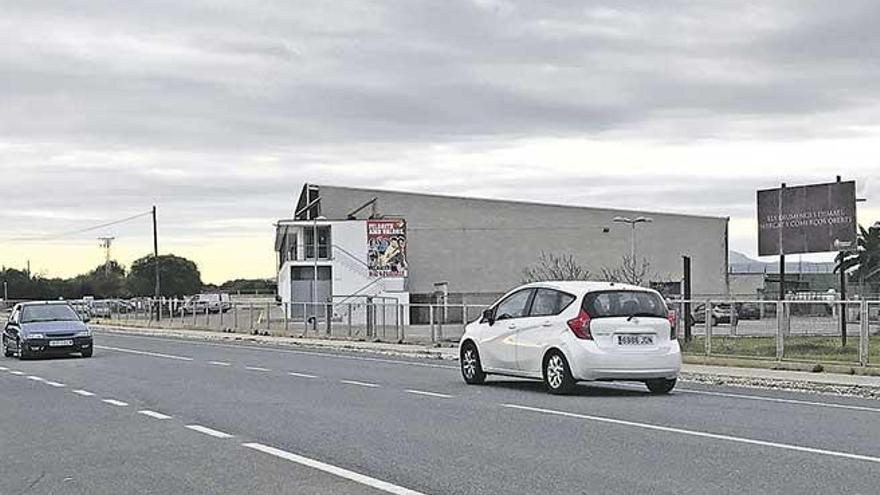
(386, 247)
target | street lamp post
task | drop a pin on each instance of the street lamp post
(632, 222)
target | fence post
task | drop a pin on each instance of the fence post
(328, 313)
(708, 310)
(349, 319)
(305, 320)
(402, 318)
(431, 317)
(780, 330)
(220, 314)
(864, 349)
(235, 316)
(286, 308)
(207, 318)
(269, 317)
(195, 314)
(251, 316)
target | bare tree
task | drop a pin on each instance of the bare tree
(629, 271)
(555, 267)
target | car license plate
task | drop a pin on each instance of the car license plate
(635, 340)
(60, 343)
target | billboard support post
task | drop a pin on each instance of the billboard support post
(842, 296)
(781, 252)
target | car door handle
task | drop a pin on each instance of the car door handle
(512, 326)
(547, 324)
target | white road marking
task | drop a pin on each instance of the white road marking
(359, 384)
(301, 375)
(219, 363)
(429, 394)
(4, 368)
(154, 414)
(256, 368)
(700, 434)
(114, 402)
(336, 471)
(55, 384)
(36, 378)
(145, 353)
(84, 393)
(782, 401)
(208, 431)
(17, 373)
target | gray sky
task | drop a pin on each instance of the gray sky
(219, 111)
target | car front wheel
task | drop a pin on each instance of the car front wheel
(557, 374)
(22, 351)
(6, 350)
(661, 386)
(471, 368)
(87, 353)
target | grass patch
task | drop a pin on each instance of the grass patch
(824, 349)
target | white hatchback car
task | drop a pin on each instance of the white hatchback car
(565, 332)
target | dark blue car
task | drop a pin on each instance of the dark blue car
(44, 328)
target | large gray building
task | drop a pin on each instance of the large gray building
(481, 247)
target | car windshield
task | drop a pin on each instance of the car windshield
(48, 312)
(609, 304)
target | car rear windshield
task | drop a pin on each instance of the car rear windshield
(48, 312)
(609, 304)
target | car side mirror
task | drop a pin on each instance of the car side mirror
(86, 318)
(488, 316)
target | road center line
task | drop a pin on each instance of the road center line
(301, 375)
(36, 378)
(336, 471)
(55, 384)
(256, 368)
(114, 402)
(208, 431)
(17, 373)
(359, 384)
(84, 393)
(219, 363)
(154, 414)
(695, 433)
(429, 394)
(144, 353)
(4, 368)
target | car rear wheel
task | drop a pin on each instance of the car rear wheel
(6, 350)
(471, 368)
(661, 386)
(557, 374)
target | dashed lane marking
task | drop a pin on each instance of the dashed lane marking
(209, 431)
(114, 402)
(154, 414)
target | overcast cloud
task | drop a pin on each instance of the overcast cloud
(219, 111)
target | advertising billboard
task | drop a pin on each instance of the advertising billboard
(806, 219)
(386, 248)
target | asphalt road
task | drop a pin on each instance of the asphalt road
(151, 415)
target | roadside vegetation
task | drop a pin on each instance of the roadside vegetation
(810, 349)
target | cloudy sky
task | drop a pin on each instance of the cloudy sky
(218, 111)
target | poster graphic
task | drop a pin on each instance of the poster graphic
(386, 247)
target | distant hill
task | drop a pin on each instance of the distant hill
(740, 263)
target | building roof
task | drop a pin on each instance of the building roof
(416, 195)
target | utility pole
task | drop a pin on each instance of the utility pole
(632, 245)
(686, 295)
(106, 242)
(156, 263)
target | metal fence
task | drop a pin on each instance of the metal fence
(844, 332)
(382, 321)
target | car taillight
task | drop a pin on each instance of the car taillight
(580, 326)
(671, 317)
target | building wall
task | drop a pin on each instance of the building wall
(483, 246)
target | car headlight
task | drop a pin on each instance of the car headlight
(84, 333)
(36, 336)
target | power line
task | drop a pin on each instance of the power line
(80, 231)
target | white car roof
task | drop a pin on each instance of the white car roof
(583, 287)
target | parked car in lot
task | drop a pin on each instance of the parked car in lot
(101, 309)
(720, 313)
(42, 328)
(211, 303)
(565, 332)
(748, 311)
